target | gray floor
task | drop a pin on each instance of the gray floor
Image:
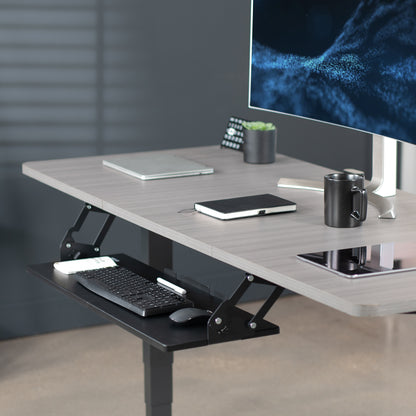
(322, 363)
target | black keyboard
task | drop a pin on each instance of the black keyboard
(132, 291)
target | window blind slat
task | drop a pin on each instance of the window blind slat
(24, 56)
(61, 4)
(63, 76)
(45, 18)
(47, 95)
(44, 37)
(47, 114)
(57, 133)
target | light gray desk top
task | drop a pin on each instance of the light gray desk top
(265, 246)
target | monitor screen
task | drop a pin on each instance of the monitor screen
(346, 62)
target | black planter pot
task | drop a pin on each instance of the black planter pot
(259, 146)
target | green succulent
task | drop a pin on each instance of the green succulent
(258, 125)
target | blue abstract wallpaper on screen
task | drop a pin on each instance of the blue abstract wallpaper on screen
(348, 62)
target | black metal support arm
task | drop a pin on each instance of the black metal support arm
(71, 249)
(229, 323)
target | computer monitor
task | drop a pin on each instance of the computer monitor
(346, 62)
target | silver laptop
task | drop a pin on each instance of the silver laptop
(156, 166)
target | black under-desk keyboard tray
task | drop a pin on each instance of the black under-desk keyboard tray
(158, 330)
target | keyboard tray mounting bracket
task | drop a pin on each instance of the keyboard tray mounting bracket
(228, 322)
(71, 249)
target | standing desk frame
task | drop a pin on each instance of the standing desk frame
(263, 246)
(160, 337)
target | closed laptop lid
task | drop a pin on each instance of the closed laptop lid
(156, 166)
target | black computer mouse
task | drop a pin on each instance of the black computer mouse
(190, 316)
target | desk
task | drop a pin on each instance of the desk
(263, 246)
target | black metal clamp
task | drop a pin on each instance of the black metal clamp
(228, 322)
(71, 249)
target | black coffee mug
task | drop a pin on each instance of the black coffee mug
(345, 200)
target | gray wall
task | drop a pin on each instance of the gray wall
(85, 77)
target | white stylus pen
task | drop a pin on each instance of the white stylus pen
(171, 286)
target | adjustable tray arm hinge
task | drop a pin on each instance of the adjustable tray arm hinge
(71, 249)
(228, 322)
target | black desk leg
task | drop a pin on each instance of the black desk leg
(158, 364)
(160, 251)
(157, 381)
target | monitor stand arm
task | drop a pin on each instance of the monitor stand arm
(382, 187)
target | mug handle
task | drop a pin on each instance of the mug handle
(359, 204)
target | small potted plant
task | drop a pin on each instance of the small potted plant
(259, 142)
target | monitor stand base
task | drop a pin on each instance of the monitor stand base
(382, 187)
